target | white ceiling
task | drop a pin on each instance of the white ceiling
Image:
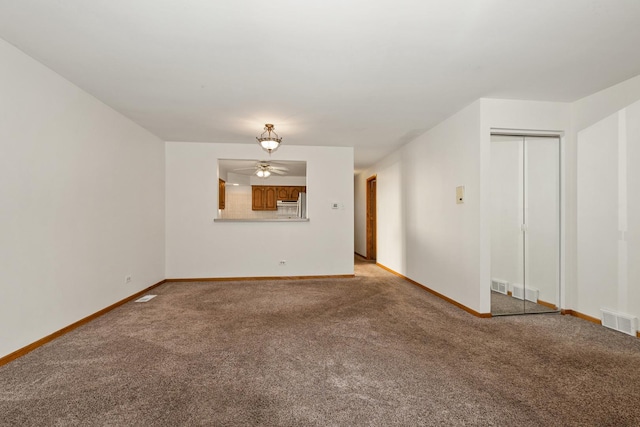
(372, 74)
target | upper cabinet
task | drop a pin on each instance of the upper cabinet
(283, 193)
(295, 191)
(265, 197)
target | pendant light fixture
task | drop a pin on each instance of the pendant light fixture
(271, 141)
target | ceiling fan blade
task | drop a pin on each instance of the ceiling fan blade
(279, 172)
(274, 165)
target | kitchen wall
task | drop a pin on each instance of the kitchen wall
(198, 247)
(238, 205)
(82, 193)
(238, 198)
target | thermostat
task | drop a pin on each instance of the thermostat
(460, 194)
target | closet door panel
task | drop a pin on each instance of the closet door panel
(507, 243)
(542, 219)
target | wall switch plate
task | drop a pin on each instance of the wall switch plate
(127, 279)
(460, 194)
(335, 205)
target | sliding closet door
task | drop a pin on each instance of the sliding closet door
(507, 237)
(542, 223)
(525, 224)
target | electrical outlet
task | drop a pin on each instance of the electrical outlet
(127, 279)
(283, 262)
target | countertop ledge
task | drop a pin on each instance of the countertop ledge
(262, 220)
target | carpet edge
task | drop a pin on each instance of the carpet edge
(438, 294)
(42, 341)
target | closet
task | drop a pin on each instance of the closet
(525, 224)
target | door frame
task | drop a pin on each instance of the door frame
(562, 205)
(372, 218)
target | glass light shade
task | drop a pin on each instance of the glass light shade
(269, 144)
(263, 173)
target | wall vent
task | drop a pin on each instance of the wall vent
(530, 294)
(499, 286)
(619, 322)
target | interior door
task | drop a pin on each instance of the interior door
(372, 220)
(525, 224)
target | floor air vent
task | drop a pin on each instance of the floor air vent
(499, 286)
(619, 322)
(145, 298)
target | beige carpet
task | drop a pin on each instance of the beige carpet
(374, 350)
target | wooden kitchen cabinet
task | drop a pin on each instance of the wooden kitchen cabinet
(283, 193)
(221, 193)
(270, 199)
(265, 197)
(295, 191)
(257, 198)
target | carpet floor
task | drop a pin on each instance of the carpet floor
(373, 350)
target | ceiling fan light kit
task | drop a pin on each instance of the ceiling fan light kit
(263, 173)
(268, 142)
(265, 169)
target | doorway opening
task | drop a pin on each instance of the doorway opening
(371, 219)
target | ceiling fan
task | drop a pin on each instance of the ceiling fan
(264, 169)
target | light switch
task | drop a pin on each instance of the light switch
(460, 194)
(335, 205)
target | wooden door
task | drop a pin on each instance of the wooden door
(221, 193)
(371, 219)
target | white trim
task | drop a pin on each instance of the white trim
(526, 132)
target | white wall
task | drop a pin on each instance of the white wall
(595, 107)
(82, 193)
(198, 247)
(609, 214)
(598, 217)
(607, 127)
(422, 232)
(413, 183)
